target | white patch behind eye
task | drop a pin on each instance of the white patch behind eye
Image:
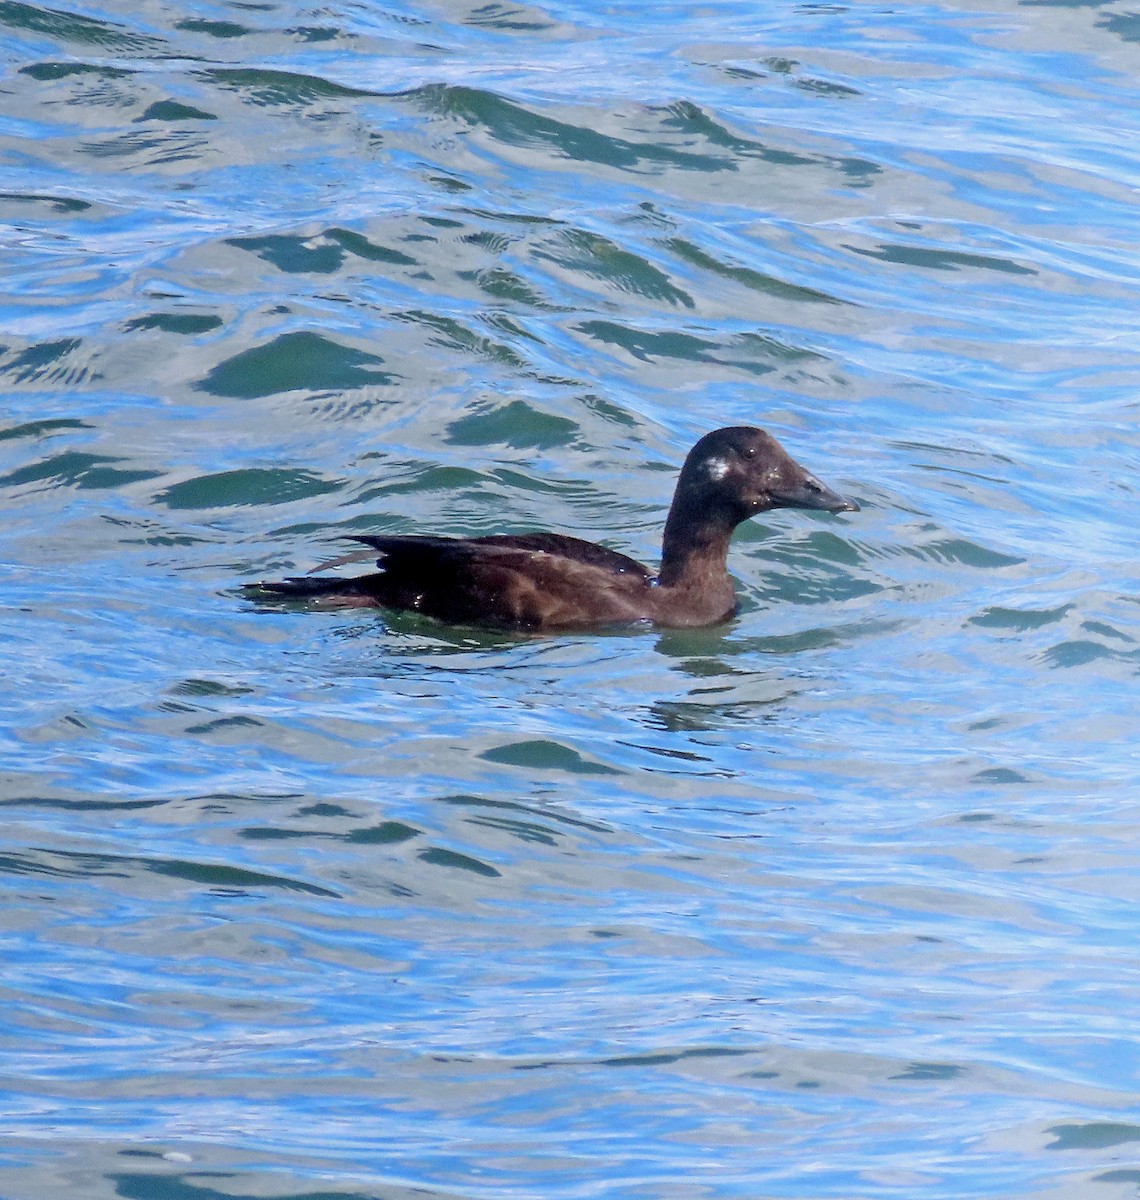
(717, 468)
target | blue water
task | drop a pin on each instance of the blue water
(838, 900)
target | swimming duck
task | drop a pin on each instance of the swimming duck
(549, 581)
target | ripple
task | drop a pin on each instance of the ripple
(183, 323)
(72, 27)
(518, 425)
(1093, 1135)
(764, 354)
(270, 88)
(173, 112)
(1020, 620)
(514, 124)
(541, 755)
(73, 468)
(46, 362)
(438, 857)
(940, 260)
(601, 259)
(294, 362)
(747, 277)
(216, 29)
(455, 335)
(48, 72)
(230, 489)
(35, 429)
(72, 864)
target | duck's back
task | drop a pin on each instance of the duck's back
(526, 581)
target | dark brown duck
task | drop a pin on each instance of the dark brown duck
(548, 581)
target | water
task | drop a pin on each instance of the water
(835, 901)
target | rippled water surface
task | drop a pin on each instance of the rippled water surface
(837, 900)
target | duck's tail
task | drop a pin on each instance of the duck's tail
(326, 590)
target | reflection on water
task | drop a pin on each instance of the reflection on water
(835, 900)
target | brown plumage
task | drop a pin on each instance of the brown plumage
(548, 581)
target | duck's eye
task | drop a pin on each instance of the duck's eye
(749, 451)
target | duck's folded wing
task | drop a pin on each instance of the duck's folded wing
(530, 581)
(499, 546)
(527, 581)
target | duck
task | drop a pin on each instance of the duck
(552, 582)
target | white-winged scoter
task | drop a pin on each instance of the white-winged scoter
(548, 581)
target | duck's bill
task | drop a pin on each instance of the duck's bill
(810, 493)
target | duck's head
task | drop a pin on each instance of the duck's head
(742, 471)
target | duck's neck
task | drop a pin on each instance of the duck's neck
(694, 551)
